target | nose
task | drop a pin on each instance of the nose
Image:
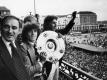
(10, 29)
(33, 32)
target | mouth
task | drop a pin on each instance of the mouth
(10, 36)
(33, 36)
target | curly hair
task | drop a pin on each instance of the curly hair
(47, 21)
(28, 27)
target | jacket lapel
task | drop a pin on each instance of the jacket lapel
(6, 57)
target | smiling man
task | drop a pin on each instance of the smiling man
(11, 64)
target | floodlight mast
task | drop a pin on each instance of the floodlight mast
(34, 8)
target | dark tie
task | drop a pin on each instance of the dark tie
(20, 73)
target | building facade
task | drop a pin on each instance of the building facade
(86, 21)
(87, 18)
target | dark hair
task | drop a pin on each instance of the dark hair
(28, 18)
(7, 18)
(28, 27)
(47, 21)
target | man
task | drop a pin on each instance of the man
(11, 64)
(27, 19)
(30, 19)
(50, 23)
(32, 60)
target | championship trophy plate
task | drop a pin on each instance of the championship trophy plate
(52, 44)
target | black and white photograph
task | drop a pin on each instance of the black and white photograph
(53, 39)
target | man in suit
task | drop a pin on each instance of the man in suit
(11, 63)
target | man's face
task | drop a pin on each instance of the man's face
(53, 24)
(33, 20)
(32, 35)
(10, 29)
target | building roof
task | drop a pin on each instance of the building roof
(86, 12)
(2, 8)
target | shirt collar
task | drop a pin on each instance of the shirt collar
(7, 43)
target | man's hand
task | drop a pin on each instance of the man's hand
(43, 57)
(74, 14)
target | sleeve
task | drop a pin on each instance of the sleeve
(31, 68)
(34, 69)
(69, 26)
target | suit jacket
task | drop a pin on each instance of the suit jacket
(30, 58)
(7, 70)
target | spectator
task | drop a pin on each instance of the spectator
(30, 19)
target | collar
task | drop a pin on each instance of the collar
(31, 43)
(7, 43)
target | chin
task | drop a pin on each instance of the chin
(33, 41)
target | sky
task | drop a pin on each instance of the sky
(21, 8)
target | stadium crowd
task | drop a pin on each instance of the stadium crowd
(92, 62)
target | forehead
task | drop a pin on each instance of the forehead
(33, 29)
(33, 20)
(54, 20)
(12, 21)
